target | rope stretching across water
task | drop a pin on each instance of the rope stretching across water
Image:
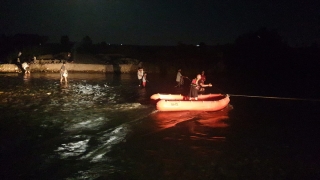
(271, 97)
(268, 97)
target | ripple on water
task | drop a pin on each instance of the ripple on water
(72, 149)
(94, 152)
(91, 124)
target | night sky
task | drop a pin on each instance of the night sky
(161, 22)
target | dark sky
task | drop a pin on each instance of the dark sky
(161, 22)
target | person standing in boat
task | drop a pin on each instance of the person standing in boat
(179, 79)
(203, 76)
(195, 86)
(140, 75)
(203, 79)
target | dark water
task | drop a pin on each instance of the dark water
(105, 127)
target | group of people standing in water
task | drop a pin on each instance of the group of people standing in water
(197, 84)
(63, 71)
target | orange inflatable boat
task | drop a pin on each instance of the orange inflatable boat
(219, 103)
(159, 96)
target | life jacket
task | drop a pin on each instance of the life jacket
(203, 78)
(194, 82)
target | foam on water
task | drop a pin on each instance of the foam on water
(105, 141)
(91, 124)
(72, 148)
(108, 140)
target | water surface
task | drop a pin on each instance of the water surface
(103, 126)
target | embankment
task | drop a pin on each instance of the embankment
(74, 67)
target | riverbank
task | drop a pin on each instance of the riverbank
(76, 67)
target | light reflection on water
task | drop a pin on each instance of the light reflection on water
(105, 127)
(93, 114)
(210, 119)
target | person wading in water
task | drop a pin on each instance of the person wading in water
(140, 75)
(63, 73)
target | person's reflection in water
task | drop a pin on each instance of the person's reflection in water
(26, 77)
(143, 99)
(116, 79)
(64, 85)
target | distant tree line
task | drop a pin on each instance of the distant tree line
(263, 51)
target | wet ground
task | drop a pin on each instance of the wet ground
(103, 126)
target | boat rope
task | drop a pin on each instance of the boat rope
(273, 97)
(188, 78)
(269, 97)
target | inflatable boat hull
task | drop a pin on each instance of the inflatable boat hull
(211, 105)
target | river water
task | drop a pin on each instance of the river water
(103, 126)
